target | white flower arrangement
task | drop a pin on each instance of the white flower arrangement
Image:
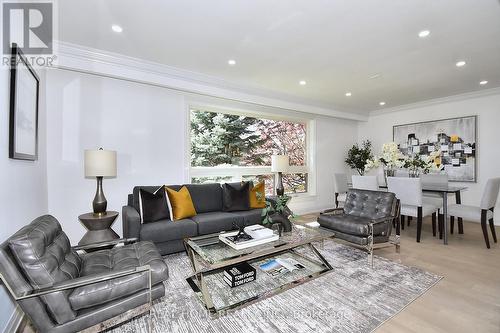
(391, 158)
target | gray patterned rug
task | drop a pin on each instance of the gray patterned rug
(351, 298)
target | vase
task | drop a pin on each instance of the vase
(414, 173)
(286, 224)
(389, 173)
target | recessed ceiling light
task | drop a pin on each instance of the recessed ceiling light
(348, 94)
(424, 33)
(483, 82)
(231, 62)
(381, 103)
(302, 83)
(460, 63)
(116, 28)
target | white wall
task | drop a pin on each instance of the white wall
(333, 138)
(144, 124)
(147, 126)
(379, 130)
(23, 190)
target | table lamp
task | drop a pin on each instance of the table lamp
(100, 163)
(279, 164)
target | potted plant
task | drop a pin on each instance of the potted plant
(277, 211)
(391, 158)
(358, 155)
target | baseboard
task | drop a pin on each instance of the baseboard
(14, 321)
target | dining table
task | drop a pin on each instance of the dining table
(444, 191)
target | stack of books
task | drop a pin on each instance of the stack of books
(239, 274)
(254, 235)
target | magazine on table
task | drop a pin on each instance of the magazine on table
(278, 266)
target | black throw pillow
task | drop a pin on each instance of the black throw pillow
(235, 197)
(153, 206)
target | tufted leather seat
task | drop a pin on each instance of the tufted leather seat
(361, 209)
(118, 258)
(43, 251)
(40, 256)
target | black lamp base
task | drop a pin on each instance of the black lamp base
(100, 203)
(280, 190)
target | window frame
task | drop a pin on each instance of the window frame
(237, 172)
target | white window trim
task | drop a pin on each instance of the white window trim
(237, 172)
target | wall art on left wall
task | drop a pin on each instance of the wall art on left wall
(24, 93)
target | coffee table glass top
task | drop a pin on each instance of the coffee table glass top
(214, 252)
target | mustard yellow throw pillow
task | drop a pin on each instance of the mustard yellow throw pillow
(180, 203)
(258, 196)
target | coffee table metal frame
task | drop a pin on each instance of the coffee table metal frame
(202, 268)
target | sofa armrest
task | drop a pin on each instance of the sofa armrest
(85, 280)
(382, 220)
(99, 245)
(333, 211)
(131, 222)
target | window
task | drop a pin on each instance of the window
(231, 147)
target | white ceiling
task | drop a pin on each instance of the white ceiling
(336, 46)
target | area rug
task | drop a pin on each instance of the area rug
(352, 298)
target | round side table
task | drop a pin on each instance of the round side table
(99, 227)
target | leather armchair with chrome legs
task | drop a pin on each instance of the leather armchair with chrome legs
(65, 289)
(366, 220)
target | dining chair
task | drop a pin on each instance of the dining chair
(437, 180)
(365, 183)
(341, 187)
(481, 214)
(409, 192)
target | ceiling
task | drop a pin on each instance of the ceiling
(335, 46)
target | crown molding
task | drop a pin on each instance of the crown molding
(435, 101)
(98, 62)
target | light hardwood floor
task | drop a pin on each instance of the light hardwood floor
(467, 299)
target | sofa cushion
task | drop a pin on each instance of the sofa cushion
(166, 230)
(206, 197)
(43, 252)
(236, 198)
(118, 258)
(253, 216)
(258, 195)
(209, 223)
(180, 203)
(153, 206)
(351, 224)
(135, 194)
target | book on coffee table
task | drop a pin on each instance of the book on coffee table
(228, 238)
(239, 274)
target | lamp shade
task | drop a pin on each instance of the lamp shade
(100, 163)
(279, 163)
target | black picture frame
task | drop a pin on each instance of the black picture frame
(23, 117)
(474, 128)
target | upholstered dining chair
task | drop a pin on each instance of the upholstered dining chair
(365, 183)
(340, 185)
(483, 213)
(409, 192)
(436, 180)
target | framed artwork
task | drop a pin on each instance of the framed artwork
(453, 141)
(24, 91)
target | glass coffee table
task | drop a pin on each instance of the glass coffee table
(209, 257)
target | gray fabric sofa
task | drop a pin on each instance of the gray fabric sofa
(65, 289)
(168, 235)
